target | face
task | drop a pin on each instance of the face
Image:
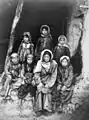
(64, 63)
(44, 31)
(15, 60)
(29, 59)
(46, 58)
(62, 41)
(25, 39)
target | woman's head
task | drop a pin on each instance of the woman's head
(45, 30)
(46, 56)
(64, 60)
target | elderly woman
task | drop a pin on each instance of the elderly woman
(45, 77)
(61, 48)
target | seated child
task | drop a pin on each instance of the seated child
(64, 82)
(27, 73)
(45, 76)
(13, 72)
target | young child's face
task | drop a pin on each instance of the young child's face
(62, 41)
(15, 60)
(29, 60)
(44, 32)
(64, 63)
(25, 38)
(46, 58)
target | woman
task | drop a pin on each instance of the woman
(45, 77)
(45, 41)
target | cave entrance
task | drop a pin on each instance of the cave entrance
(55, 14)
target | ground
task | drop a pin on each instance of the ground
(79, 104)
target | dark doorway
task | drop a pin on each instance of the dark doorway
(56, 14)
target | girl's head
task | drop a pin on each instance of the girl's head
(27, 37)
(62, 39)
(45, 30)
(29, 58)
(64, 60)
(46, 56)
(14, 58)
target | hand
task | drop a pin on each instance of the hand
(59, 87)
(46, 86)
(39, 87)
(44, 90)
(33, 83)
(64, 88)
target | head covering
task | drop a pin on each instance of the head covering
(30, 56)
(27, 34)
(14, 55)
(41, 63)
(64, 57)
(45, 27)
(62, 37)
(46, 51)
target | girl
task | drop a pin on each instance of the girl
(26, 47)
(45, 77)
(61, 49)
(45, 41)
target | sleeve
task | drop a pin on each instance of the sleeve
(53, 77)
(59, 77)
(22, 72)
(70, 77)
(67, 51)
(37, 46)
(20, 47)
(37, 68)
(32, 49)
(7, 68)
(54, 51)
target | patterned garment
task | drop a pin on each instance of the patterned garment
(25, 49)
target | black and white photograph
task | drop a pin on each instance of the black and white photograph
(44, 60)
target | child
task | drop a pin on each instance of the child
(44, 42)
(61, 49)
(13, 72)
(64, 81)
(45, 74)
(26, 47)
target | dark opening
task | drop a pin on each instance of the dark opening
(55, 14)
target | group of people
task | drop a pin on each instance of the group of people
(44, 71)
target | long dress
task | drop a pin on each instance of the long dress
(64, 78)
(47, 79)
